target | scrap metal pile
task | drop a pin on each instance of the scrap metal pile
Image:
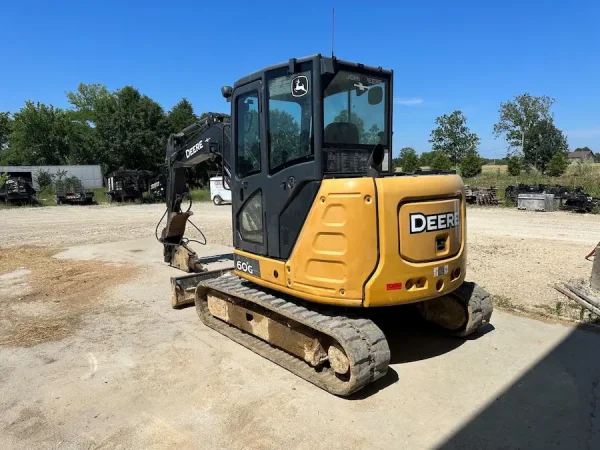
(565, 197)
(481, 196)
(69, 190)
(16, 190)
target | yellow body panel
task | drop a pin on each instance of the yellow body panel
(267, 280)
(356, 247)
(336, 250)
(432, 194)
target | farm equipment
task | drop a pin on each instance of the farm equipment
(70, 191)
(481, 196)
(565, 197)
(158, 189)
(322, 229)
(579, 201)
(16, 190)
(127, 185)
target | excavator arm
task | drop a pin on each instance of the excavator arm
(209, 138)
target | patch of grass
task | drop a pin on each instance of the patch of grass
(505, 303)
(200, 195)
(100, 195)
(586, 175)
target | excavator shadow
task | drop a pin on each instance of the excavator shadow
(411, 339)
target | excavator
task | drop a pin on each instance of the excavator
(323, 227)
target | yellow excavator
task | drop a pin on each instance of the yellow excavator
(322, 226)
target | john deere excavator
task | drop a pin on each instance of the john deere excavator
(322, 226)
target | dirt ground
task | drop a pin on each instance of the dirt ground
(516, 255)
(92, 356)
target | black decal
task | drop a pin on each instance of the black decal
(250, 266)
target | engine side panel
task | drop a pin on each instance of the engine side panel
(336, 250)
(337, 247)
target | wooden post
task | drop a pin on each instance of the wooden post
(595, 278)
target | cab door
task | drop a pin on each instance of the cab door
(247, 196)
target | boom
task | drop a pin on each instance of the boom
(209, 138)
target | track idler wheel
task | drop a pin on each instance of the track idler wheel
(462, 312)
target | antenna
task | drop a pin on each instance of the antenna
(332, 28)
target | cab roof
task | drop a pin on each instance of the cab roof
(327, 65)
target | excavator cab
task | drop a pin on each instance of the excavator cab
(320, 217)
(292, 126)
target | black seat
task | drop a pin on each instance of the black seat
(341, 133)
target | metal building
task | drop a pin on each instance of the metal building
(90, 176)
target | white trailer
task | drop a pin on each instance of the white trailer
(219, 194)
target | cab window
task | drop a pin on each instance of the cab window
(248, 137)
(290, 120)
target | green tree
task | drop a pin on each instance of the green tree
(440, 161)
(371, 136)
(519, 116)
(408, 160)
(425, 159)
(284, 137)
(558, 164)
(40, 135)
(452, 137)
(86, 102)
(131, 131)
(543, 142)
(5, 128)
(181, 116)
(515, 165)
(471, 165)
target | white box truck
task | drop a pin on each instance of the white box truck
(219, 194)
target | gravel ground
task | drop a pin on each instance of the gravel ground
(92, 355)
(74, 225)
(516, 255)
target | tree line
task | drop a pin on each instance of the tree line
(126, 129)
(120, 129)
(526, 123)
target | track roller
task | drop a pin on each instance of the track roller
(338, 353)
(462, 312)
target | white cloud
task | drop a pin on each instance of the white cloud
(408, 101)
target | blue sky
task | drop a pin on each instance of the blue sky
(446, 55)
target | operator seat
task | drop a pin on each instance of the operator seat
(341, 133)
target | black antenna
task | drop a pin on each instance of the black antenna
(332, 28)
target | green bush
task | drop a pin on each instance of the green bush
(409, 161)
(557, 165)
(200, 195)
(440, 161)
(515, 165)
(44, 178)
(471, 165)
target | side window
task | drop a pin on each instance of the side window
(290, 119)
(250, 220)
(248, 138)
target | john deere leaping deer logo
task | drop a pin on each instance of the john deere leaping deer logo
(300, 86)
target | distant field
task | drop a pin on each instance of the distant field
(586, 175)
(573, 169)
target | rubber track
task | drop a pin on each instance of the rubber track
(478, 306)
(364, 343)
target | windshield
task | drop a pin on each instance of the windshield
(355, 110)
